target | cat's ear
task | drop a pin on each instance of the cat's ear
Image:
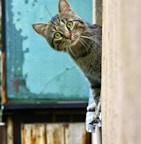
(64, 6)
(40, 28)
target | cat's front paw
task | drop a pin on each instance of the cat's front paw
(91, 107)
(97, 111)
(97, 115)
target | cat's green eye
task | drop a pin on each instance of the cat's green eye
(57, 35)
(69, 24)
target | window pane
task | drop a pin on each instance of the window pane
(34, 70)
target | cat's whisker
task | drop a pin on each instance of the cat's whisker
(92, 38)
(67, 49)
(75, 35)
(88, 37)
(70, 49)
(85, 44)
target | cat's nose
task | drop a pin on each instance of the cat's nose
(68, 35)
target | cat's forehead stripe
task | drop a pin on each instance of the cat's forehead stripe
(56, 21)
(54, 18)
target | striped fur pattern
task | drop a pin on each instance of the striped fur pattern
(82, 41)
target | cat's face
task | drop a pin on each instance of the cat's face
(64, 30)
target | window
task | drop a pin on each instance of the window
(34, 71)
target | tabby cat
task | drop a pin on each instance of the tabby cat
(82, 41)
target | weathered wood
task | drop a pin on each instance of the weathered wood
(98, 135)
(75, 134)
(61, 133)
(55, 134)
(2, 133)
(97, 12)
(10, 138)
(33, 134)
(121, 79)
(3, 92)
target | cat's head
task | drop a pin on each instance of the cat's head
(64, 30)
